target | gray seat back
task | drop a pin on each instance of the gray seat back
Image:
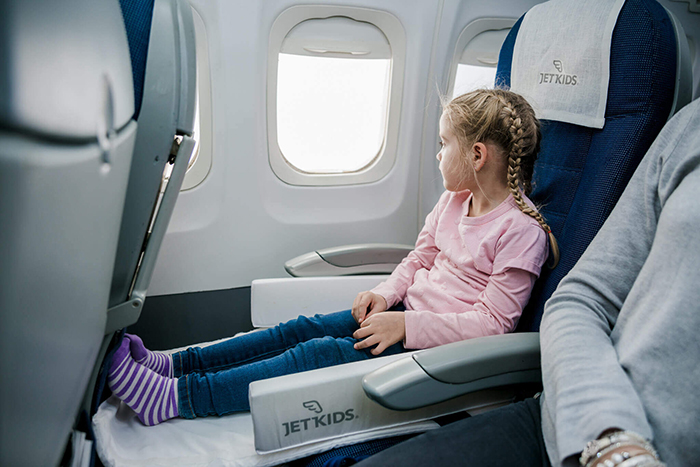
(161, 41)
(66, 140)
(165, 127)
(161, 36)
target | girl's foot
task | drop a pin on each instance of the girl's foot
(159, 362)
(152, 396)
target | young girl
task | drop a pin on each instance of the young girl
(470, 275)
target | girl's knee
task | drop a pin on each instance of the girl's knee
(329, 351)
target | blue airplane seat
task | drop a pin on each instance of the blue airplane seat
(581, 172)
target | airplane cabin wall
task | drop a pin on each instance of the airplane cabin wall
(243, 222)
(456, 15)
(691, 24)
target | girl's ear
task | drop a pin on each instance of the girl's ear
(480, 153)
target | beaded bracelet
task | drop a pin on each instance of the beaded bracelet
(596, 449)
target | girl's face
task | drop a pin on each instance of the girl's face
(453, 166)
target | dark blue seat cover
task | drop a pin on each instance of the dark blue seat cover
(137, 20)
(581, 172)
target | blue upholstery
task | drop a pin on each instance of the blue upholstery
(581, 172)
(137, 19)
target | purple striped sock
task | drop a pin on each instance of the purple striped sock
(152, 396)
(159, 362)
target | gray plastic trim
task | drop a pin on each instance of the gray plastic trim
(449, 371)
(123, 315)
(60, 207)
(128, 313)
(684, 72)
(188, 67)
(693, 5)
(366, 258)
(169, 90)
(337, 36)
(483, 357)
(199, 169)
(165, 211)
(63, 66)
(367, 253)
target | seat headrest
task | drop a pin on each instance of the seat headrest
(567, 79)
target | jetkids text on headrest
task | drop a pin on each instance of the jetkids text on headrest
(558, 78)
(318, 421)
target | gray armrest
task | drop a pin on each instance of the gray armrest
(448, 371)
(367, 258)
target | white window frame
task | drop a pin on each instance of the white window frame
(472, 30)
(199, 170)
(391, 27)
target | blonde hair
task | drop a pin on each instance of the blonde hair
(507, 120)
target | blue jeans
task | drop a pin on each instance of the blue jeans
(214, 380)
(508, 436)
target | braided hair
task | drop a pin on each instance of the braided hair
(506, 119)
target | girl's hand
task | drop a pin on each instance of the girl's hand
(366, 304)
(382, 330)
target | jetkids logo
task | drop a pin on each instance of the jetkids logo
(317, 421)
(558, 78)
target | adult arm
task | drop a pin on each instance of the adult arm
(587, 390)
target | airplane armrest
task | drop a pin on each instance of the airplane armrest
(366, 258)
(324, 281)
(277, 300)
(328, 403)
(448, 371)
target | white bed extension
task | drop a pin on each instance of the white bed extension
(291, 416)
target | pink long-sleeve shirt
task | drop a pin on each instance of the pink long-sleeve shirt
(467, 276)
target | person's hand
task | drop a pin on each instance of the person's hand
(615, 446)
(632, 451)
(382, 330)
(366, 304)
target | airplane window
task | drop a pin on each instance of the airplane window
(476, 54)
(334, 94)
(201, 159)
(331, 112)
(471, 77)
(195, 132)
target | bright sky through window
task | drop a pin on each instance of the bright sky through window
(470, 77)
(196, 131)
(331, 112)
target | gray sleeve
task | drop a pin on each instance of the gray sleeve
(586, 388)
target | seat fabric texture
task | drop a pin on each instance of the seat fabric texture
(581, 172)
(138, 15)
